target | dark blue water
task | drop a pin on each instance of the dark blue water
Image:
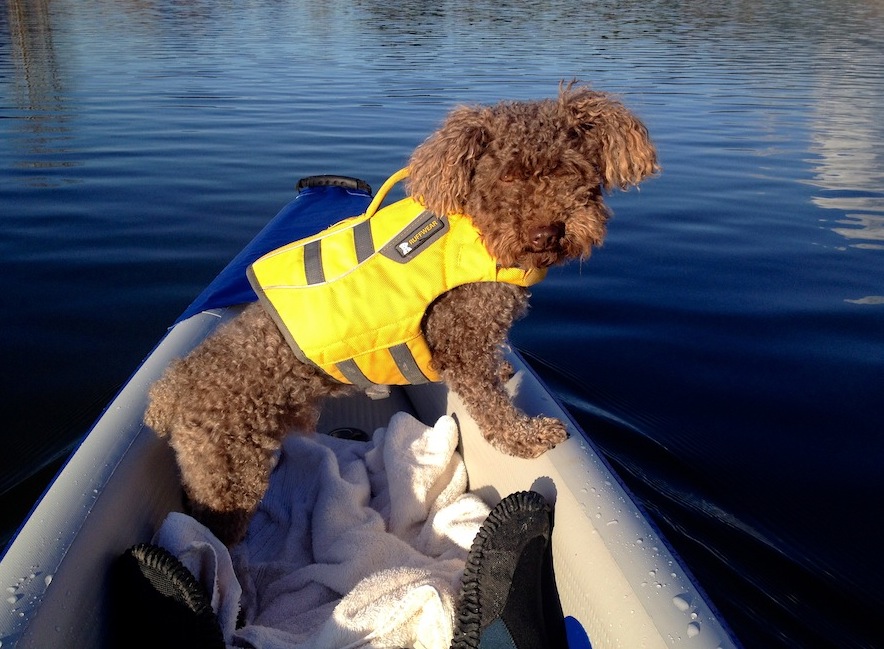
(725, 347)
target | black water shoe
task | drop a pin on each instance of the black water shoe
(508, 596)
(157, 602)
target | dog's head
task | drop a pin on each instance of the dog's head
(531, 174)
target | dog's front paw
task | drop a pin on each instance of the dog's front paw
(533, 437)
(547, 432)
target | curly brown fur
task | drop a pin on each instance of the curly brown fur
(531, 176)
(466, 329)
(225, 409)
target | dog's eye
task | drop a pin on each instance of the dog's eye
(507, 178)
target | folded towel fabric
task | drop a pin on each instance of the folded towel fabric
(357, 544)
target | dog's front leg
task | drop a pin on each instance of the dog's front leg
(466, 329)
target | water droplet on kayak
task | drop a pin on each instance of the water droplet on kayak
(682, 602)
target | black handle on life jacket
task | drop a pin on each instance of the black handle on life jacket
(333, 181)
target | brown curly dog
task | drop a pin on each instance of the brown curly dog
(531, 176)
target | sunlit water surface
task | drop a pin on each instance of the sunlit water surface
(725, 348)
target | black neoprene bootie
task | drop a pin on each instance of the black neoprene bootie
(157, 602)
(508, 597)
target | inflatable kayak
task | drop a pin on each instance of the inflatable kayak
(617, 578)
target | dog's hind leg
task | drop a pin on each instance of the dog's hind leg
(225, 409)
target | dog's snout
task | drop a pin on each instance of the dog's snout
(547, 236)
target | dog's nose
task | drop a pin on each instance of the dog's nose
(547, 236)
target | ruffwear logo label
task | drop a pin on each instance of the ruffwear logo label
(420, 236)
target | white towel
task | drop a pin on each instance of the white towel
(359, 544)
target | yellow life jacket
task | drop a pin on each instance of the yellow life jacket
(351, 298)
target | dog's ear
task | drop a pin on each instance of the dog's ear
(606, 130)
(440, 169)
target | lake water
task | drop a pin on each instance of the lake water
(725, 347)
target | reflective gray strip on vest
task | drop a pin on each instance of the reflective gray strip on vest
(313, 263)
(352, 373)
(363, 241)
(404, 360)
